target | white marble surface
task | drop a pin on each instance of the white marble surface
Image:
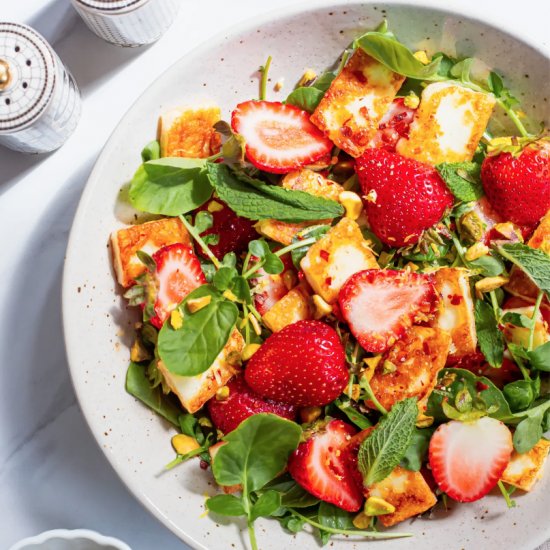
(52, 473)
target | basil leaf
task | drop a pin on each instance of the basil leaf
(316, 231)
(151, 151)
(534, 262)
(193, 348)
(397, 57)
(268, 503)
(256, 200)
(462, 179)
(458, 380)
(226, 505)
(256, 452)
(417, 450)
(490, 339)
(170, 186)
(540, 357)
(138, 385)
(305, 97)
(384, 448)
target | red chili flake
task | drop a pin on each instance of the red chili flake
(360, 77)
(455, 299)
(301, 275)
(328, 281)
(426, 348)
(480, 386)
(325, 255)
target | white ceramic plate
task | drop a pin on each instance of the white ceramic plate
(98, 325)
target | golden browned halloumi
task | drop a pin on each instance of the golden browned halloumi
(357, 99)
(194, 391)
(300, 180)
(335, 257)
(525, 469)
(410, 367)
(407, 491)
(448, 124)
(520, 285)
(455, 312)
(189, 132)
(148, 237)
(521, 335)
(291, 308)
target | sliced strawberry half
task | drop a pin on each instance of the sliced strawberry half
(279, 138)
(242, 403)
(379, 305)
(178, 272)
(467, 458)
(394, 125)
(269, 289)
(321, 467)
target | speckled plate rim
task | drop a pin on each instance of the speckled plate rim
(479, 13)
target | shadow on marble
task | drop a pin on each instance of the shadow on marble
(14, 165)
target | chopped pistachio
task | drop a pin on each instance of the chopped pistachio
(184, 444)
(139, 352)
(471, 226)
(412, 101)
(376, 506)
(352, 203)
(423, 421)
(362, 521)
(372, 363)
(371, 196)
(489, 283)
(249, 350)
(422, 56)
(279, 84)
(176, 319)
(198, 303)
(230, 296)
(222, 394)
(476, 251)
(307, 78)
(509, 231)
(215, 206)
(388, 367)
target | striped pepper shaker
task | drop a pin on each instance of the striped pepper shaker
(128, 22)
(39, 100)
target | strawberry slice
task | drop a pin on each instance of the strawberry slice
(467, 458)
(242, 403)
(279, 138)
(304, 364)
(321, 467)
(178, 273)
(394, 125)
(268, 289)
(379, 305)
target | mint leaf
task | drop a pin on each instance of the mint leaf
(193, 348)
(170, 186)
(138, 385)
(305, 97)
(490, 339)
(256, 452)
(256, 200)
(535, 263)
(397, 57)
(384, 448)
(462, 179)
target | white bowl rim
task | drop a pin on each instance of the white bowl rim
(70, 534)
(208, 44)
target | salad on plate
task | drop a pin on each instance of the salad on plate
(345, 295)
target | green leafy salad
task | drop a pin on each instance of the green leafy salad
(345, 295)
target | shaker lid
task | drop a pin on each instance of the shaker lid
(27, 76)
(111, 5)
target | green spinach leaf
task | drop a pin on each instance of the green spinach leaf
(305, 97)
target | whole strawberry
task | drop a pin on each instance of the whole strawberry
(241, 403)
(403, 197)
(304, 364)
(518, 187)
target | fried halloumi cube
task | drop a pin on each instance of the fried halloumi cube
(356, 101)
(194, 391)
(456, 310)
(407, 491)
(410, 367)
(525, 469)
(520, 284)
(189, 132)
(521, 335)
(335, 257)
(307, 181)
(448, 124)
(295, 306)
(148, 237)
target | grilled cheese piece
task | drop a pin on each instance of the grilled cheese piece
(291, 308)
(410, 367)
(334, 258)
(189, 132)
(520, 335)
(520, 284)
(194, 391)
(525, 469)
(407, 491)
(351, 109)
(456, 311)
(307, 181)
(448, 124)
(148, 237)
